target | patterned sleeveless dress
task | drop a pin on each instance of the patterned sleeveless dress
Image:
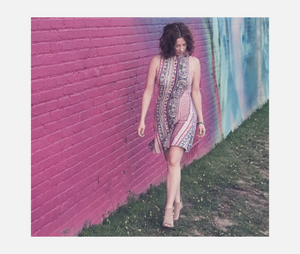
(175, 116)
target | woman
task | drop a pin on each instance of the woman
(176, 75)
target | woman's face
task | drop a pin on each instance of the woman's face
(180, 46)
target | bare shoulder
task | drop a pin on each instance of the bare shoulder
(155, 60)
(154, 64)
(194, 60)
(194, 65)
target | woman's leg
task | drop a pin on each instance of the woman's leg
(177, 195)
(173, 157)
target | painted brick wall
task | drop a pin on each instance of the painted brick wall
(88, 76)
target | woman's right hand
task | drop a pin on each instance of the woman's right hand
(141, 129)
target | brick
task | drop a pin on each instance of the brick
(48, 24)
(36, 203)
(36, 219)
(57, 93)
(76, 98)
(56, 115)
(55, 136)
(38, 109)
(39, 189)
(50, 127)
(62, 123)
(64, 101)
(37, 179)
(37, 132)
(52, 105)
(57, 178)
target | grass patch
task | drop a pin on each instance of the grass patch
(225, 193)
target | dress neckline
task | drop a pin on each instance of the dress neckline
(185, 54)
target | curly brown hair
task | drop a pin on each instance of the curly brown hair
(171, 33)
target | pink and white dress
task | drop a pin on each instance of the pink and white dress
(175, 117)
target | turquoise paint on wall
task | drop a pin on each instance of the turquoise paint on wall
(241, 67)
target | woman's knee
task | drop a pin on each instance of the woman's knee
(174, 156)
(173, 161)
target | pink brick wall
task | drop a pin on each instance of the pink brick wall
(88, 76)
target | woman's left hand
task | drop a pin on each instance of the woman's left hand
(201, 131)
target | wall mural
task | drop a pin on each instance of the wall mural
(87, 80)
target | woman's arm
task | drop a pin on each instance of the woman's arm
(196, 95)
(150, 82)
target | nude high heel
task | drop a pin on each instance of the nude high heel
(168, 218)
(177, 207)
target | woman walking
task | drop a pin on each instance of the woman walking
(176, 76)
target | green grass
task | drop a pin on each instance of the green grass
(225, 193)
